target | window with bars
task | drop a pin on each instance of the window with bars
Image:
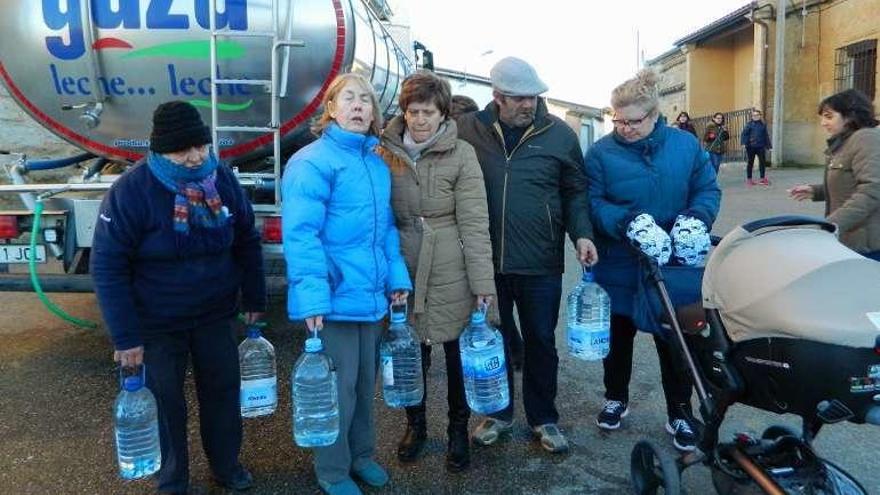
(855, 67)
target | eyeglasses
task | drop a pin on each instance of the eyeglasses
(631, 123)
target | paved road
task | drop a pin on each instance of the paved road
(57, 387)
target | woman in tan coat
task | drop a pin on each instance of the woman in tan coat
(439, 202)
(851, 189)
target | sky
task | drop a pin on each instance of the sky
(582, 49)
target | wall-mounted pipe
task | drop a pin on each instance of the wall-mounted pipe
(765, 47)
(778, 89)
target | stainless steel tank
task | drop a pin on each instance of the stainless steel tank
(93, 71)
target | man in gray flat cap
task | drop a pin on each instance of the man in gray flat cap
(537, 190)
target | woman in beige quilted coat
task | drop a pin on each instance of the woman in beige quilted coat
(851, 190)
(439, 202)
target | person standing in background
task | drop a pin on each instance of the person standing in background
(715, 140)
(756, 141)
(683, 122)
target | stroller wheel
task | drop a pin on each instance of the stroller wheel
(774, 432)
(653, 469)
(840, 482)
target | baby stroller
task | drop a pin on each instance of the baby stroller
(788, 322)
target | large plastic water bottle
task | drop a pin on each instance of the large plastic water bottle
(315, 399)
(589, 320)
(137, 430)
(259, 384)
(400, 356)
(483, 366)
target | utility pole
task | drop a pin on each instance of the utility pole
(778, 96)
(638, 49)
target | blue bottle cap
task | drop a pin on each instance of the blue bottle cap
(588, 276)
(398, 317)
(132, 383)
(314, 344)
(478, 317)
(254, 333)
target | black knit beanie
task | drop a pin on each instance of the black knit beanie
(177, 126)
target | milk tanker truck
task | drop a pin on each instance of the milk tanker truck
(92, 71)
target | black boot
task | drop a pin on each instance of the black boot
(413, 440)
(458, 453)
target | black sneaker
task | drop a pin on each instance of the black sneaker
(683, 436)
(612, 412)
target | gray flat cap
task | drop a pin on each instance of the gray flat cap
(515, 77)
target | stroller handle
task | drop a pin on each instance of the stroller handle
(789, 221)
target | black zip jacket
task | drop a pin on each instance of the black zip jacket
(535, 194)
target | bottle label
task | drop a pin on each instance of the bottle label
(489, 367)
(259, 393)
(387, 370)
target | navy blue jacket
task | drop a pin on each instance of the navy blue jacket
(150, 279)
(665, 175)
(754, 135)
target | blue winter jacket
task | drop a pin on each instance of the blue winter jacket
(755, 135)
(665, 175)
(340, 243)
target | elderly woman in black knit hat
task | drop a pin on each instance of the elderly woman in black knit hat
(175, 249)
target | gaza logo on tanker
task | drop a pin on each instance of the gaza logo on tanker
(67, 42)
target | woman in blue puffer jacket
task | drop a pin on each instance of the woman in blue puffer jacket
(343, 264)
(646, 179)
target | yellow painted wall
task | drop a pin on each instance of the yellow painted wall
(710, 81)
(743, 49)
(809, 68)
(720, 74)
(673, 73)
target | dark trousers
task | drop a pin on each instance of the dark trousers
(618, 369)
(459, 413)
(715, 159)
(751, 153)
(509, 328)
(536, 298)
(214, 353)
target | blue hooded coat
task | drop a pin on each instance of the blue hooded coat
(340, 243)
(666, 174)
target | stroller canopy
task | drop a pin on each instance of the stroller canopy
(794, 282)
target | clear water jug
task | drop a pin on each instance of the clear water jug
(588, 322)
(484, 366)
(400, 358)
(137, 429)
(259, 383)
(315, 399)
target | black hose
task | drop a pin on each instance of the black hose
(59, 163)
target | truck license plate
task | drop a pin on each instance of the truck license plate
(21, 253)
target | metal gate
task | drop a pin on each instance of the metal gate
(735, 122)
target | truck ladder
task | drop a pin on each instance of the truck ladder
(276, 93)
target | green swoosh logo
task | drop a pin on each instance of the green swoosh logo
(226, 107)
(190, 49)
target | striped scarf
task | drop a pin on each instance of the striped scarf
(196, 201)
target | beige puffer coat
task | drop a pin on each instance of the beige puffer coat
(852, 190)
(440, 207)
